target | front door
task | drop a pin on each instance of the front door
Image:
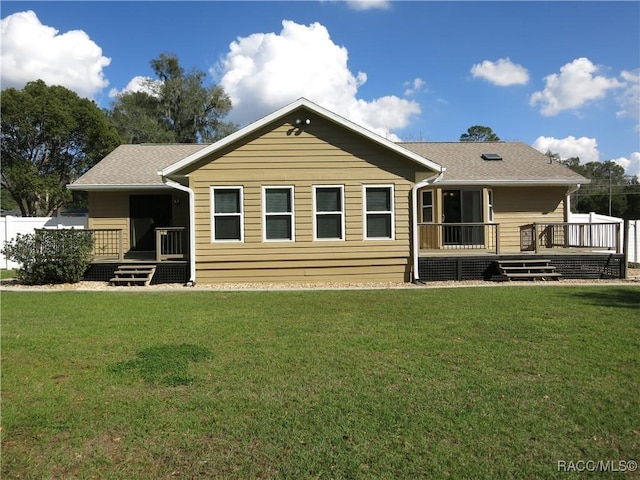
(147, 212)
(459, 207)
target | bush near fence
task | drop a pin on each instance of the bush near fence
(11, 226)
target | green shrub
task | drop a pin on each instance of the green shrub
(50, 256)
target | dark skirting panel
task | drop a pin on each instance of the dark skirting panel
(166, 272)
(483, 267)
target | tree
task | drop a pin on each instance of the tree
(478, 133)
(610, 190)
(176, 108)
(50, 136)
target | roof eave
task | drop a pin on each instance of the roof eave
(515, 183)
(113, 187)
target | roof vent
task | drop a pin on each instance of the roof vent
(491, 156)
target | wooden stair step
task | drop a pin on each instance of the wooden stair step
(527, 269)
(127, 275)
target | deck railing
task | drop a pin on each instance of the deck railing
(108, 243)
(170, 243)
(537, 236)
(459, 236)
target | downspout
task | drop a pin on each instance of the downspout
(192, 227)
(414, 219)
(570, 192)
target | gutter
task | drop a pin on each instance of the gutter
(414, 219)
(192, 227)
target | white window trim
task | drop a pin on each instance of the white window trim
(214, 215)
(365, 212)
(423, 206)
(291, 214)
(316, 213)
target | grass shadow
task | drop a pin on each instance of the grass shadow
(619, 297)
(164, 364)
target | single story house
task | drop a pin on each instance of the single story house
(305, 195)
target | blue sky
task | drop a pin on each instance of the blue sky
(563, 76)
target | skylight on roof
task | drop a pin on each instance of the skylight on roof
(491, 156)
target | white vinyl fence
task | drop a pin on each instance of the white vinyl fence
(11, 226)
(633, 233)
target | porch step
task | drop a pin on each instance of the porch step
(128, 275)
(527, 269)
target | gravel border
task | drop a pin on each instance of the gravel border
(10, 285)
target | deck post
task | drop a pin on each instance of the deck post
(158, 245)
(534, 227)
(120, 246)
(497, 238)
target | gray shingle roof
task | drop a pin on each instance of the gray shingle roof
(135, 165)
(520, 163)
(138, 165)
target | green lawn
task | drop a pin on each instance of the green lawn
(4, 274)
(484, 383)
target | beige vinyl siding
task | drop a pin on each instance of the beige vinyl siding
(110, 210)
(324, 155)
(514, 207)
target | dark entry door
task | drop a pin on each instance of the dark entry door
(463, 206)
(147, 212)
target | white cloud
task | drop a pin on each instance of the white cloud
(265, 71)
(631, 165)
(369, 4)
(32, 51)
(502, 73)
(576, 85)
(584, 147)
(138, 84)
(629, 99)
(415, 86)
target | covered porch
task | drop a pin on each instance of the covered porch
(474, 251)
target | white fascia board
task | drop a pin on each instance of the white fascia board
(511, 183)
(302, 102)
(110, 187)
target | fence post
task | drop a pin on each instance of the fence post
(625, 248)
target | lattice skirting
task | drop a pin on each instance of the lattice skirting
(166, 272)
(483, 267)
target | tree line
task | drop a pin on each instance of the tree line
(50, 136)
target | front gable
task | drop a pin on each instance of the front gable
(292, 130)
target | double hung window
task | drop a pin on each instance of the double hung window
(278, 214)
(427, 206)
(227, 217)
(328, 212)
(378, 212)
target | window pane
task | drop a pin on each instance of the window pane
(227, 228)
(378, 199)
(427, 198)
(379, 225)
(328, 200)
(226, 200)
(278, 227)
(329, 226)
(278, 200)
(427, 214)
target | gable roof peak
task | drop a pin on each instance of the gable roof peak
(286, 110)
